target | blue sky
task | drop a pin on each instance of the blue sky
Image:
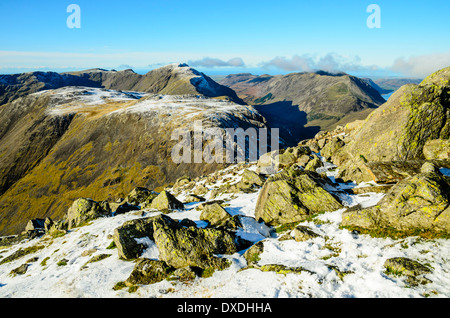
(220, 37)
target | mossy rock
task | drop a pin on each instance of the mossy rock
(252, 255)
(399, 266)
(292, 196)
(166, 201)
(418, 202)
(84, 210)
(437, 149)
(148, 271)
(180, 246)
(314, 164)
(215, 214)
(399, 129)
(138, 195)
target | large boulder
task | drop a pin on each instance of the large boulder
(190, 246)
(292, 196)
(250, 179)
(125, 236)
(84, 210)
(166, 201)
(399, 129)
(418, 202)
(268, 163)
(215, 214)
(138, 195)
(179, 244)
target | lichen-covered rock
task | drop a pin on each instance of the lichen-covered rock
(138, 195)
(437, 149)
(180, 246)
(314, 164)
(84, 210)
(148, 271)
(250, 179)
(166, 201)
(252, 255)
(304, 233)
(405, 266)
(399, 129)
(413, 270)
(292, 196)
(418, 202)
(332, 147)
(215, 214)
(125, 236)
(200, 190)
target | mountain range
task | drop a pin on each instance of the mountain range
(101, 209)
(99, 133)
(172, 79)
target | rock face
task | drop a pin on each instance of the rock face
(418, 202)
(84, 210)
(399, 129)
(437, 149)
(292, 196)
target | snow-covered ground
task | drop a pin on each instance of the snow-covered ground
(359, 257)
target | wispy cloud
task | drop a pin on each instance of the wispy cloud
(331, 62)
(209, 62)
(421, 65)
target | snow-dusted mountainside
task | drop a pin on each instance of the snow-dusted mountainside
(337, 263)
(57, 145)
(172, 79)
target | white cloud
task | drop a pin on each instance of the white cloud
(421, 65)
(209, 62)
(331, 62)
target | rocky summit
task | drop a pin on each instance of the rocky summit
(361, 210)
